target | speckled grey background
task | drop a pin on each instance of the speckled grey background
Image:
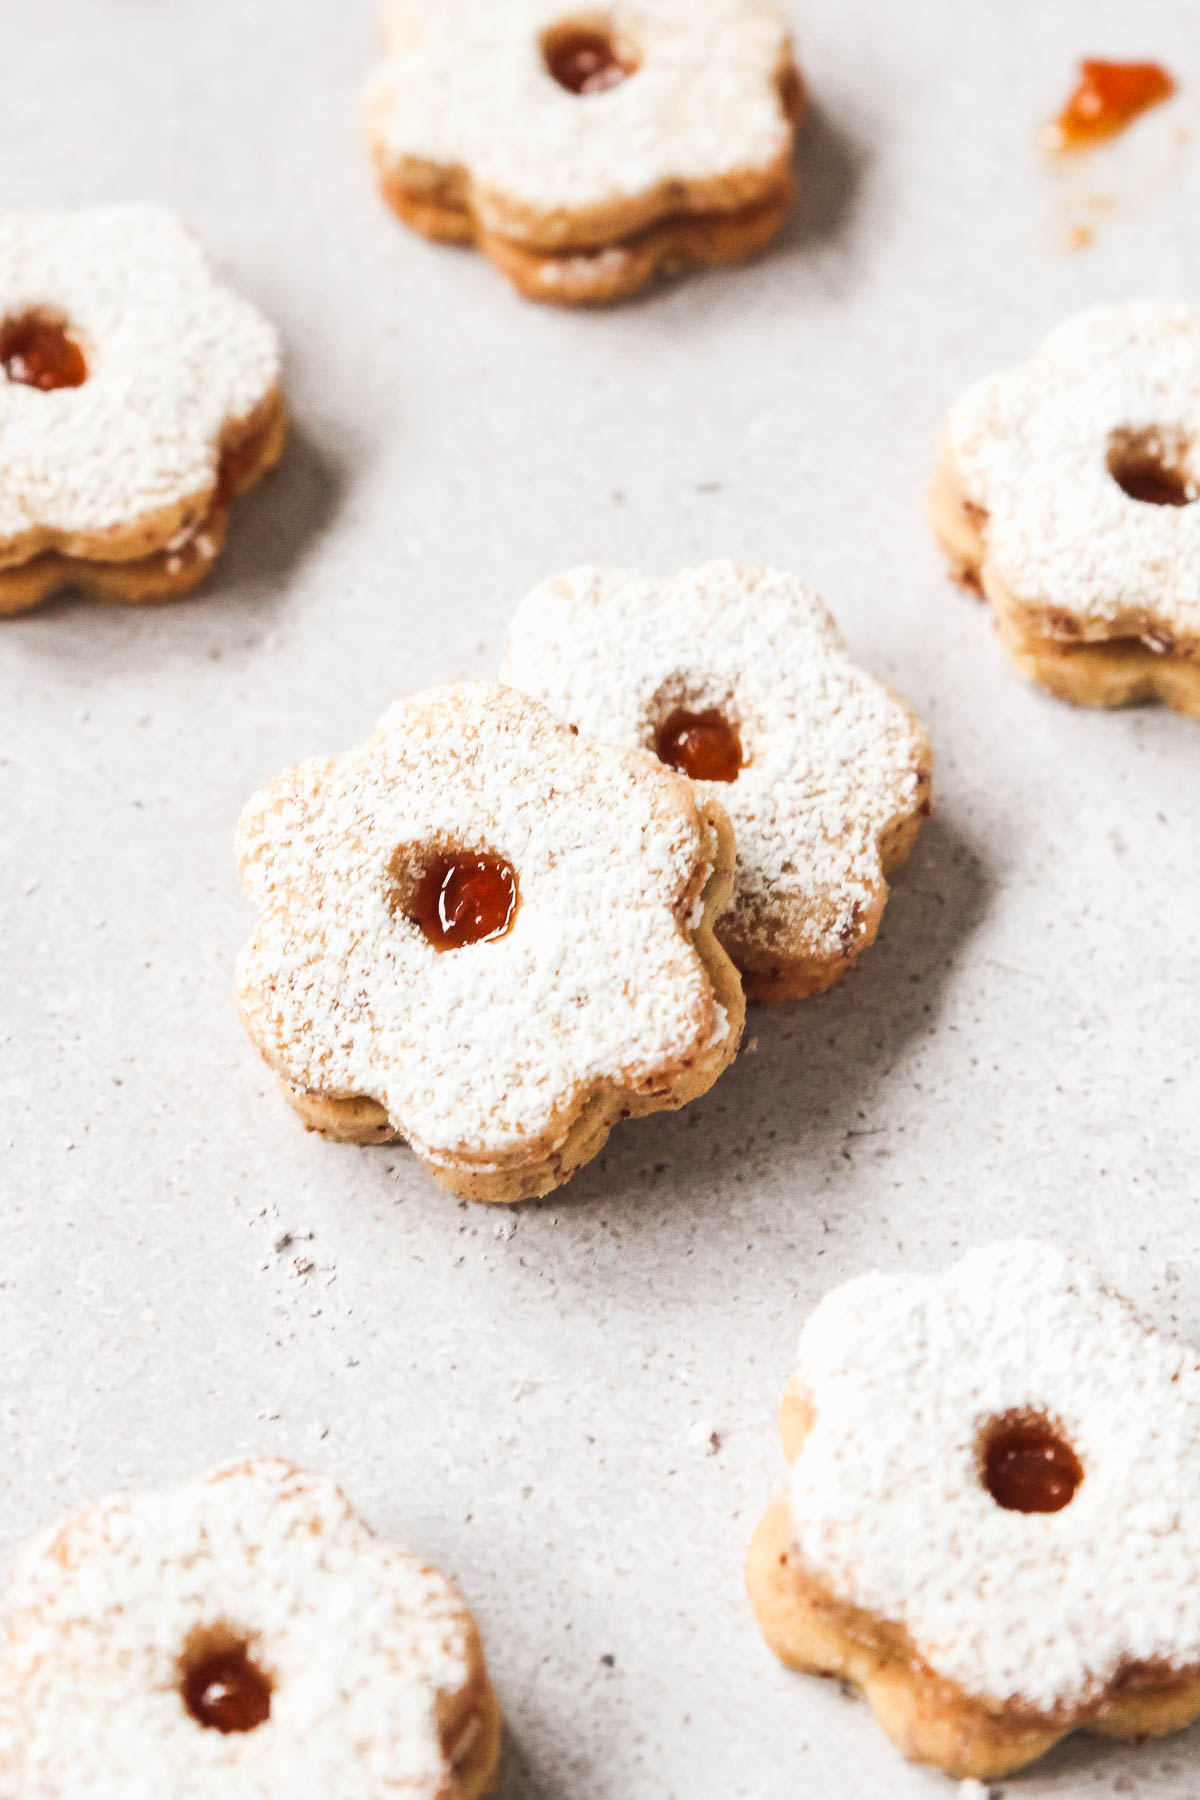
(523, 1395)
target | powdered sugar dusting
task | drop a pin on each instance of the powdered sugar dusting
(173, 358)
(357, 1638)
(832, 756)
(1030, 447)
(479, 1050)
(464, 86)
(904, 1372)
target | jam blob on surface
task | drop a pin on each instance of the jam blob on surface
(39, 353)
(1029, 1468)
(703, 745)
(584, 60)
(225, 1692)
(1149, 466)
(1110, 95)
(465, 899)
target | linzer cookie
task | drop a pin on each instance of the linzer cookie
(992, 1518)
(245, 1635)
(138, 398)
(587, 153)
(485, 936)
(1066, 491)
(739, 678)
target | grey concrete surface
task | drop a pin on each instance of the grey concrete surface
(524, 1395)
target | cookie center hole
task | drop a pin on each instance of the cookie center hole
(464, 898)
(1028, 1466)
(1151, 466)
(38, 351)
(586, 59)
(704, 745)
(222, 1688)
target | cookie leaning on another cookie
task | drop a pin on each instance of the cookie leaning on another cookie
(244, 1635)
(1066, 490)
(482, 935)
(739, 677)
(138, 398)
(992, 1517)
(587, 153)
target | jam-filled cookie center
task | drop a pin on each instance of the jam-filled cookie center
(586, 59)
(704, 745)
(1151, 466)
(464, 898)
(38, 351)
(225, 1691)
(1029, 1467)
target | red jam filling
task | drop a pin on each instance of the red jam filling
(465, 900)
(1028, 1468)
(39, 353)
(703, 745)
(1148, 466)
(585, 61)
(227, 1693)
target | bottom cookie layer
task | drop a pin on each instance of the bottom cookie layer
(595, 277)
(1121, 672)
(166, 573)
(930, 1720)
(1105, 672)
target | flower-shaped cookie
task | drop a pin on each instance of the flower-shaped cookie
(243, 1636)
(1067, 490)
(478, 933)
(137, 398)
(992, 1521)
(741, 673)
(587, 152)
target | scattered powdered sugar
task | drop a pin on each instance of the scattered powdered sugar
(1030, 446)
(904, 1374)
(357, 1638)
(465, 86)
(832, 756)
(172, 356)
(480, 1049)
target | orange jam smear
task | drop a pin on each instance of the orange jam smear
(463, 900)
(703, 745)
(227, 1693)
(1028, 1468)
(1110, 95)
(39, 353)
(585, 61)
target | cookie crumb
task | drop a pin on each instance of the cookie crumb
(703, 1436)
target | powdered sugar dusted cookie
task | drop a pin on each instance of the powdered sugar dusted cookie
(247, 1636)
(483, 935)
(1066, 490)
(137, 398)
(992, 1520)
(587, 152)
(739, 677)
